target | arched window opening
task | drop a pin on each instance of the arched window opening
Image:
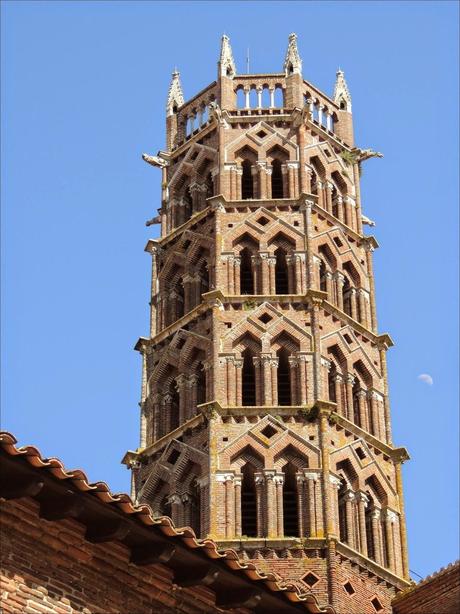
(331, 383)
(356, 414)
(248, 502)
(248, 383)
(281, 272)
(201, 385)
(335, 204)
(247, 181)
(246, 273)
(240, 99)
(347, 296)
(277, 180)
(322, 277)
(253, 98)
(284, 378)
(174, 415)
(265, 98)
(188, 204)
(279, 97)
(371, 546)
(290, 508)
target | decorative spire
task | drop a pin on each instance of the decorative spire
(292, 62)
(341, 93)
(227, 66)
(175, 95)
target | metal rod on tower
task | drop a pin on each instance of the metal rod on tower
(247, 62)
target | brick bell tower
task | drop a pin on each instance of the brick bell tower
(265, 420)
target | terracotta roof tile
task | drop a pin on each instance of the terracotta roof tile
(144, 513)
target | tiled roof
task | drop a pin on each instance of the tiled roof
(436, 575)
(144, 514)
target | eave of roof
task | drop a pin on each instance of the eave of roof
(39, 476)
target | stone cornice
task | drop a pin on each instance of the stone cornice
(162, 442)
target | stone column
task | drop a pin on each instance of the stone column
(237, 275)
(267, 379)
(279, 481)
(303, 386)
(339, 203)
(293, 371)
(258, 380)
(389, 521)
(181, 381)
(260, 503)
(362, 307)
(167, 399)
(229, 506)
(255, 262)
(329, 287)
(298, 260)
(274, 379)
(335, 487)
(362, 402)
(362, 502)
(376, 536)
(259, 90)
(238, 480)
(264, 274)
(339, 281)
(290, 271)
(264, 191)
(329, 187)
(372, 399)
(353, 306)
(270, 502)
(192, 396)
(157, 426)
(311, 479)
(349, 498)
(320, 114)
(338, 384)
(350, 380)
(325, 368)
(301, 504)
(231, 381)
(239, 381)
(176, 508)
(316, 263)
(272, 97)
(247, 103)
(349, 212)
(321, 195)
(271, 261)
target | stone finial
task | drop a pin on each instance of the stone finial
(292, 61)
(226, 64)
(175, 95)
(341, 93)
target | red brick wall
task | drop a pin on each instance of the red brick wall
(49, 567)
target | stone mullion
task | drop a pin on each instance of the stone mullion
(274, 379)
(321, 195)
(291, 273)
(363, 411)
(231, 381)
(389, 519)
(325, 368)
(271, 271)
(349, 498)
(335, 487)
(338, 386)
(353, 305)
(237, 493)
(267, 380)
(362, 307)
(156, 417)
(167, 399)
(350, 380)
(339, 281)
(293, 368)
(237, 275)
(181, 387)
(262, 175)
(310, 484)
(339, 202)
(270, 503)
(238, 382)
(192, 400)
(255, 272)
(264, 274)
(362, 501)
(329, 187)
(279, 481)
(256, 361)
(297, 286)
(376, 529)
(303, 388)
(260, 503)
(301, 507)
(291, 181)
(349, 211)
(374, 424)
(187, 280)
(329, 287)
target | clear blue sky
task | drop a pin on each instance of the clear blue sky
(83, 95)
